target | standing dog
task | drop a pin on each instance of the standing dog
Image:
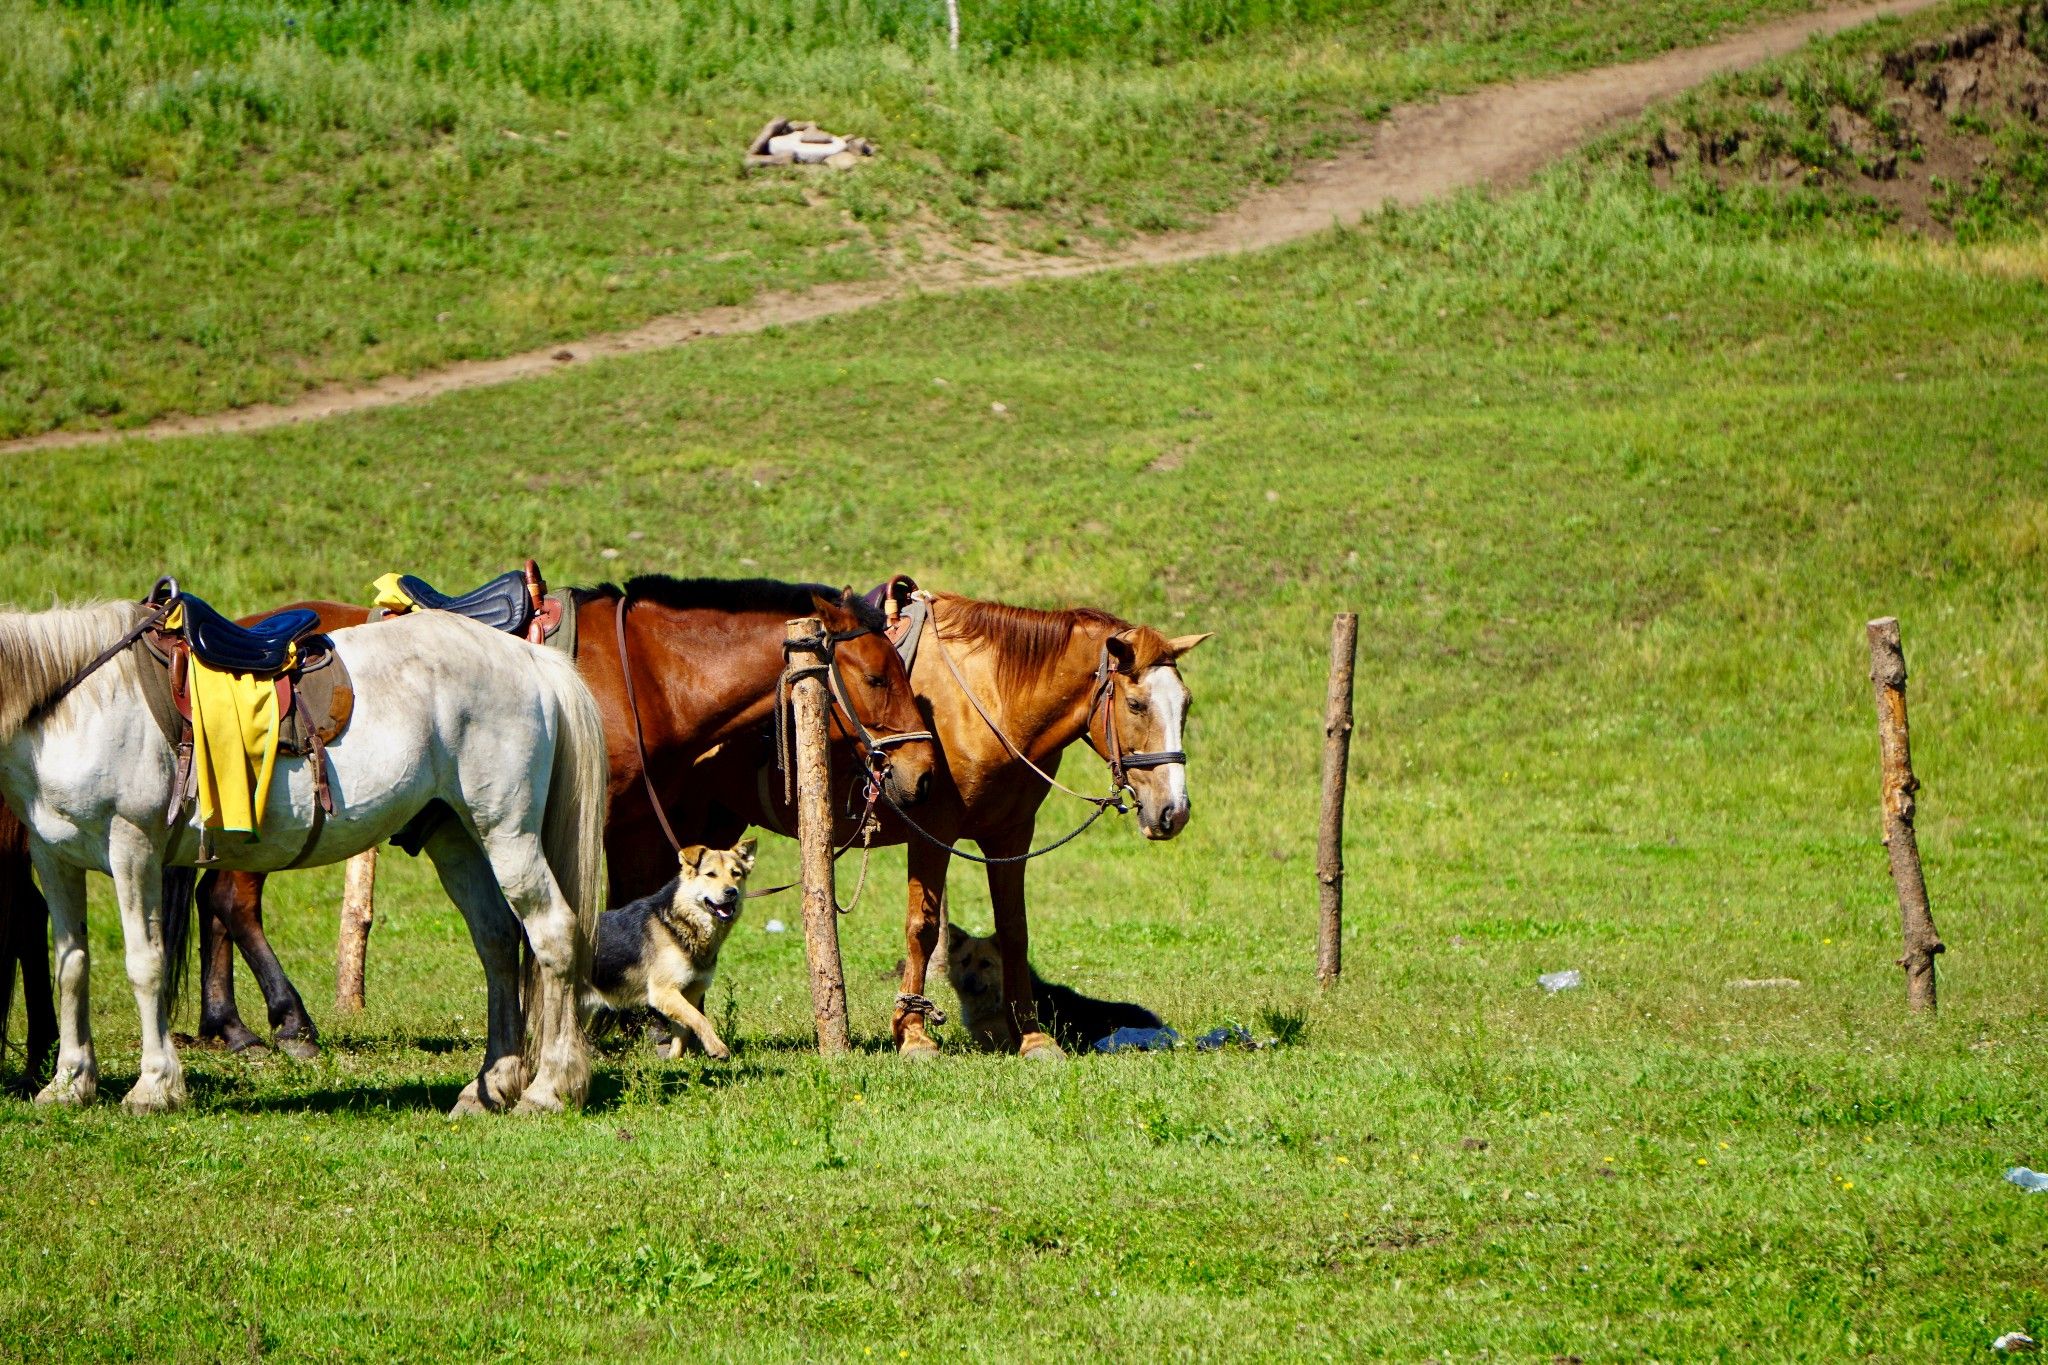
(974, 968)
(661, 951)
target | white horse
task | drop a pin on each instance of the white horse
(506, 735)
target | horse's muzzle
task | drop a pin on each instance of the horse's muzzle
(908, 792)
(1165, 822)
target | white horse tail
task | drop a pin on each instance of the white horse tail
(572, 834)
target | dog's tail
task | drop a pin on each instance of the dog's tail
(572, 838)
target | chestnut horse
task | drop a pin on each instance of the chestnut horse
(1045, 679)
(706, 654)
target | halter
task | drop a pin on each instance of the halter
(1120, 762)
(874, 749)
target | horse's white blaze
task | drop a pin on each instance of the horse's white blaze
(1168, 697)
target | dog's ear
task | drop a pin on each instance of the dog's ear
(746, 851)
(692, 857)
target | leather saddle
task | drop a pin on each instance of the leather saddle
(315, 697)
(906, 608)
(263, 647)
(515, 602)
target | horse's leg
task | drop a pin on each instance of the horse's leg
(138, 888)
(562, 1075)
(921, 926)
(77, 1077)
(1013, 940)
(242, 906)
(31, 917)
(219, 1017)
(467, 877)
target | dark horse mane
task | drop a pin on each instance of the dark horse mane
(739, 595)
(1030, 640)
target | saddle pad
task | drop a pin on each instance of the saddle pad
(235, 734)
(563, 636)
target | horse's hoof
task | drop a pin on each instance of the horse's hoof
(304, 1049)
(537, 1100)
(918, 1050)
(1039, 1047)
(151, 1095)
(70, 1091)
(468, 1102)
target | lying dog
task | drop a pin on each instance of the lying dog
(661, 951)
(974, 968)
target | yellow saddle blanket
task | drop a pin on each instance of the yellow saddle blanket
(235, 734)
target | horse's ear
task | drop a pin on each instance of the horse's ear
(1181, 644)
(1121, 654)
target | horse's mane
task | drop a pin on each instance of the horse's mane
(1028, 640)
(40, 651)
(790, 600)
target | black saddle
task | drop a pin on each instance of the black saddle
(261, 648)
(502, 604)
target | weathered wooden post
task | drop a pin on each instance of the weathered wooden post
(358, 910)
(1916, 920)
(812, 714)
(1336, 762)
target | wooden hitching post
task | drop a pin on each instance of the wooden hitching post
(812, 707)
(1336, 761)
(358, 910)
(1916, 920)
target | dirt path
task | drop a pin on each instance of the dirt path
(1497, 135)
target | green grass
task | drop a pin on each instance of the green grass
(1614, 484)
(205, 206)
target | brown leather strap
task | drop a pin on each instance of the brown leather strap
(639, 742)
(149, 622)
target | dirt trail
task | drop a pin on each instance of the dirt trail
(1496, 135)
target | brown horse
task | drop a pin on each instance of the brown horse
(24, 938)
(1045, 679)
(705, 656)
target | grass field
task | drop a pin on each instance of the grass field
(1614, 477)
(204, 206)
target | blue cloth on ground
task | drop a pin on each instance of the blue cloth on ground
(1216, 1039)
(1139, 1040)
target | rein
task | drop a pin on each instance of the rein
(639, 740)
(150, 621)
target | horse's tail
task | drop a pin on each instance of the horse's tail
(572, 839)
(178, 886)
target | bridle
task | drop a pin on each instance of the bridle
(1101, 699)
(1120, 762)
(874, 747)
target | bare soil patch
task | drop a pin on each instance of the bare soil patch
(1919, 136)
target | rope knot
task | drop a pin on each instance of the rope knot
(920, 1004)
